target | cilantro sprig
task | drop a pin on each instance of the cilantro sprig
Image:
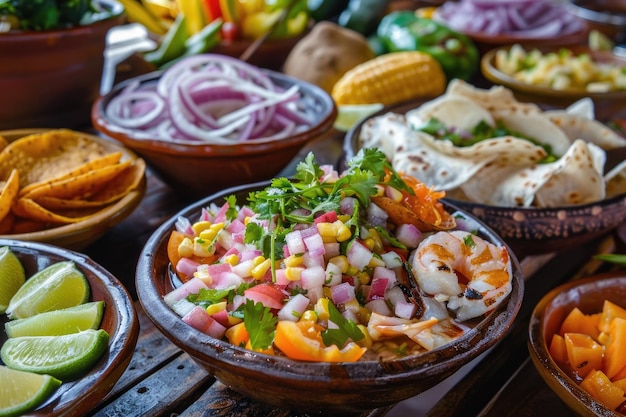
(260, 324)
(346, 329)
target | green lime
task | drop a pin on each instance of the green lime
(23, 391)
(350, 114)
(11, 276)
(58, 322)
(64, 357)
(57, 286)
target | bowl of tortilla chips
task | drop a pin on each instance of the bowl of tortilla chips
(64, 187)
(536, 177)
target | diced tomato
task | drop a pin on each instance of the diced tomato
(267, 294)
(328, 217)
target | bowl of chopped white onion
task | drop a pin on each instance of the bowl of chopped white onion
(212, 121)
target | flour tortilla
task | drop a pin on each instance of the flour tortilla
(538, 127)
(495, 100)
(458, 112)
(589, 130)
(572, 179)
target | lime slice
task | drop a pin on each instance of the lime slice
(58, 322)
(64, 357)
(350, 114)
(23, 391)
(11, 276)
(57, 286)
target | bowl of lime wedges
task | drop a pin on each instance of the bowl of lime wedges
(70, 330)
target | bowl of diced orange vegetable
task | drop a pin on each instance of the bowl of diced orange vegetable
(577, 339)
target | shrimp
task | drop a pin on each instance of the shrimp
(471, 275)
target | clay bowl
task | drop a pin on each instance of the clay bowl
(605, 16)
(527, 230)
(77, 398)
(587, 294)
(52, 77)
(77, 236)
(196, 168)
(339, 387)
(607, 105)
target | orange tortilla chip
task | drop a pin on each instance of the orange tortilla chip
(3, 142)
(6, 224)
(8, 193)
(80, 186)
(109, 159)
(29, 209)
(46, 155)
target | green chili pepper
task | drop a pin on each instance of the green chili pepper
(455, 52)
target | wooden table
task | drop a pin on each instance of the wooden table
(161, 380)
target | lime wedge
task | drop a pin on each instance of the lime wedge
(350, 114)
(23, 391)
(64, 357)
(58, 322)
(11, 276)
(57, 286)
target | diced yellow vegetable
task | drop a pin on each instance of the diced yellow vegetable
(391, 78)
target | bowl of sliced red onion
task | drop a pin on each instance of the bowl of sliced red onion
(492, 23)
(212, 121)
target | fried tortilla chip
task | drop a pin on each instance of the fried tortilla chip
(29, 209)
(3, 142)
(80, 186)
(41, 156)
(8, 193)
(101, 162)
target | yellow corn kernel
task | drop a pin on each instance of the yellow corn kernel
(376, 261)
(352, 270)
(231, 259)
(212, 231)
(292, 273)
(343, 218)
(232, 320)
(293, 260)
(259, 271)
(202, 273)
(380, 190)
(343, 232)
(391, 78)
(370, 243)
(341, 261)
(363, 277)
(377, 246)
(327, 292)
(185, 248)
(309, 315)
(327, 229)
(367, 340)
(352, 305)
(199, 227)
(321, 309)
(203, 247)
(216, 308)
(258, 260)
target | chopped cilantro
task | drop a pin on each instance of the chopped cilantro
(469, 241)
(260, 324)
(231, 212)
(208, 296)
(346, 329)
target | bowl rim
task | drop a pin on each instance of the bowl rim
(230, 356)
(74, 398)
(496, 76)
(562, 384)
(255, 146)
(349, 146)
(109, 216)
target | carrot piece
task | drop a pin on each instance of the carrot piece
(609, 312)
(557, 349)
(614, 357)
(584, 354)
(600, 387)
(579, 322)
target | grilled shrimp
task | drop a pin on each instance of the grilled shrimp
(471, 275)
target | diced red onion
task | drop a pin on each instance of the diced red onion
(359, 255)
(192, 286)
(294, 308)
(342, 293)
(409, 235)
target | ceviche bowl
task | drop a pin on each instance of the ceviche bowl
(119, 320)
(588, 295)
(342, 386)
(53, 76)
(197, 167)
(607, 104)
(527, 229)
(94, 222)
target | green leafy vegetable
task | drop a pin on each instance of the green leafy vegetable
(615, 258)
(207, 296)
(260, 324)
(346, 329)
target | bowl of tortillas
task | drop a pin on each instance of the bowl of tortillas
(538, 178)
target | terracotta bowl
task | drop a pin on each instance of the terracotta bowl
(605, 16)
(77, 236)
(199, 169)
(52, 77)
(526, 230)
(588, 295)
(77, 398)
(310, 386)
(607, 105)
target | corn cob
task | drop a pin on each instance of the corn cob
(391, 78)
